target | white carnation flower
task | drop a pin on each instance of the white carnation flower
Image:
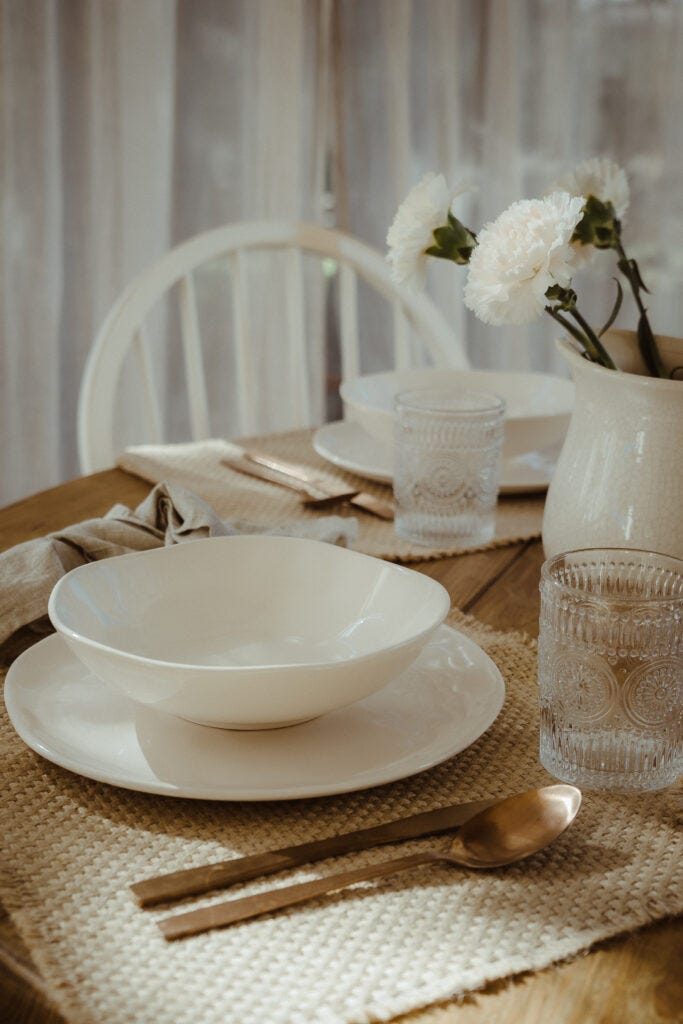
(519, 256)
(602, 178)
(599, 177)
(425, 208)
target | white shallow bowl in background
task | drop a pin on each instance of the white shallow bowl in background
(247, 632)
(538, 406)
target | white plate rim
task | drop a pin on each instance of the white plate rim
(381, 475)
(392, 772)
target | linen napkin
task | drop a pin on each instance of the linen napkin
(170, 514)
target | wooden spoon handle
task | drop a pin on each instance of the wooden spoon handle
(231, 911)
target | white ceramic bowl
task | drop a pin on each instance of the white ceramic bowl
(247, 632)
(538, 406)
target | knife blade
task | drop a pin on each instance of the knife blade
(192, 881)
(311, 495)
(361, 499)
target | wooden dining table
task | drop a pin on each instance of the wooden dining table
(635, 978)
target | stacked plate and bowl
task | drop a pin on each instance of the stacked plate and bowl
(538, 410)
(262, 668)
(251, 668)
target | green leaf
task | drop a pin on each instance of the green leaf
(641, 284)
(462, 235)
(443, 236)
(440, 254)
(645, 343)
(648, 347)
(566, 297)
(615, 310)
(597, 226)
(453, 242)
(631, 271)
(604, 238)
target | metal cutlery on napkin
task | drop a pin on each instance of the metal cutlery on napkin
(317, 493)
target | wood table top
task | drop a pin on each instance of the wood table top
(634, 979)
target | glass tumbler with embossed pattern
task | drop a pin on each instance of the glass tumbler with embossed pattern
(610, 668)
(447, 462)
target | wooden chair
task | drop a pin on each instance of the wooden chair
(125, 329)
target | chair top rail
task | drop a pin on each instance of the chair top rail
(128, 313)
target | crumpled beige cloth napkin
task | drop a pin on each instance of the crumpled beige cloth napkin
(169, 514)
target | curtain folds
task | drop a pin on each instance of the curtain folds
(127, 126)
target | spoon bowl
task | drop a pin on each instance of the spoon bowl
(516, 827)
(508, 831)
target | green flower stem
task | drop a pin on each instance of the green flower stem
(646, 338)
(595, 348)
(565, 299)
(618, 245)
(583, 339)
(569, 327)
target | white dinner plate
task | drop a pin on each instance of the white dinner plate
(435, 709)
(349, 446)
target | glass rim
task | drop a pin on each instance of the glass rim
(550, 563)
(409, 400)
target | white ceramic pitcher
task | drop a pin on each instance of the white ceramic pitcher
(619, 478)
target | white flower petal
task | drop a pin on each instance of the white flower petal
(425, 208)
(599, 177)
(519, 256)
(604, 179)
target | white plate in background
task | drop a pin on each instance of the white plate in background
(347, 445)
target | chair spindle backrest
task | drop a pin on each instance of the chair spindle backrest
(124, 327)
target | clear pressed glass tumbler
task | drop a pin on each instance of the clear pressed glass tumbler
(610, 668)
(447, 461)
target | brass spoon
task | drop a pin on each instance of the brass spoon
(504, 833)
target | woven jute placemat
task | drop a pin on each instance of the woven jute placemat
(71, 847)
(234, 496)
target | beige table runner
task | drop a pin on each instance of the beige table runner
(70, 848)
(235, 496)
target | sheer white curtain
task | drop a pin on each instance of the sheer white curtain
(129, 125)
(87, 146)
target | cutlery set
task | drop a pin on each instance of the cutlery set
(316, 493)
(491, 834)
